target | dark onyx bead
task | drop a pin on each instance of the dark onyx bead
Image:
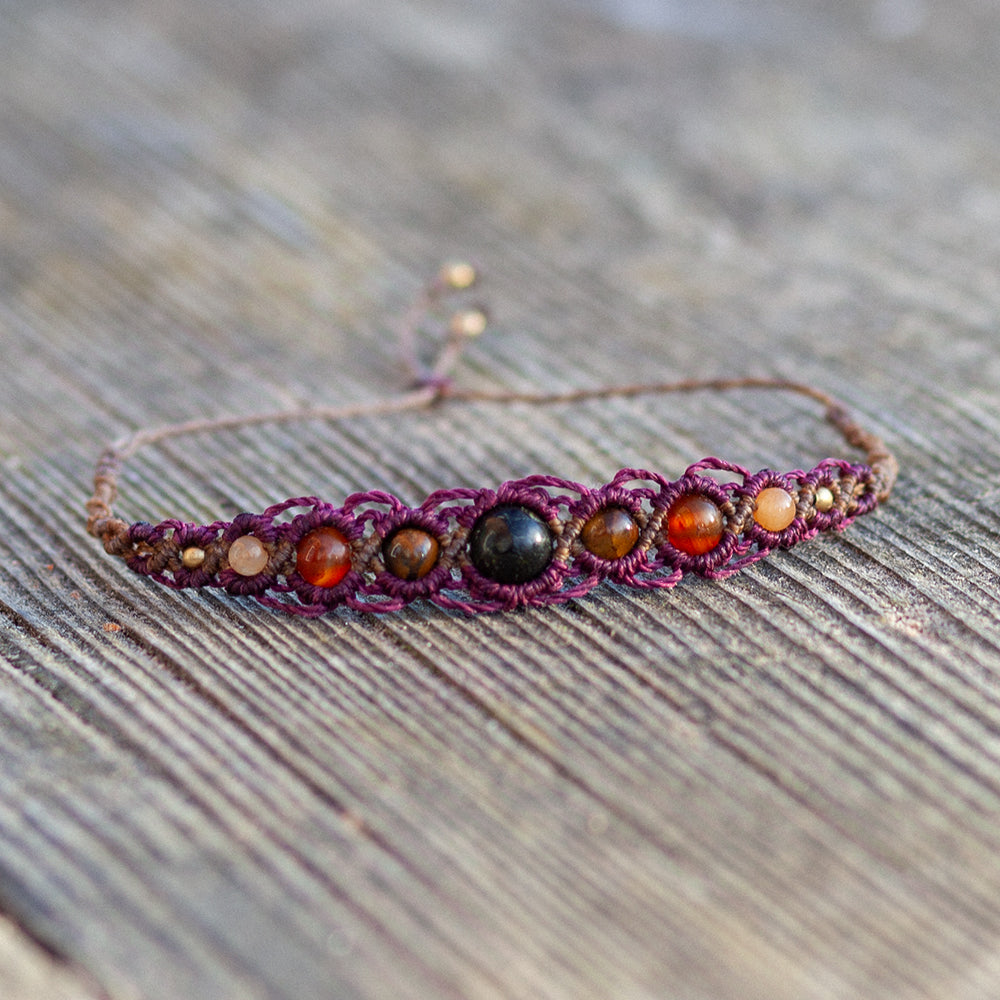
(410, 553)
(510, 544)
(610, 534)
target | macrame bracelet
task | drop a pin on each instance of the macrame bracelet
(532, 541)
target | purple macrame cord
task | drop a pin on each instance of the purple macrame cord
(366, 519)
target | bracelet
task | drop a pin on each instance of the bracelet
(527, 542)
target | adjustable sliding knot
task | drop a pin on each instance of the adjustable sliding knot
(440, 385)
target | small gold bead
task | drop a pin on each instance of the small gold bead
(192, 557)
(468, 323)
(824, 499)
(248, 556)
(459, 275)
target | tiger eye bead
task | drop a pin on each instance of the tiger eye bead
(610, 533)
(824, 499)
(323, 557)
(410, 553)
(510, 544)
(775, 509)
(248, 556)
(694, 524)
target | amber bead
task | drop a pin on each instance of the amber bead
(323, 557)
(510, 544)
(610, 533)
(694, 524)
(248, 556)
(410, 553)
(824, 499)
(775, 509)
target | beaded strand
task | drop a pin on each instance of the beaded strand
(527, 542)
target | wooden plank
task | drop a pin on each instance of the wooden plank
(780, 785)
(27, 972)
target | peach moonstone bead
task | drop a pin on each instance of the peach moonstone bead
(775, 509)
(248, 556)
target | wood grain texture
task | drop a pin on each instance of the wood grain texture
(29, 973)
(785, 785)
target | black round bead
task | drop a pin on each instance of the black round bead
(510, 544)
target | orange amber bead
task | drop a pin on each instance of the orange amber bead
(694, 524)
(610, 533)
(323, 557)
(775, 509)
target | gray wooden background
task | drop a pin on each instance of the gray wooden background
(783, 786)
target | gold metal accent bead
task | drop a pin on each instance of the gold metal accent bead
(824, 499)
(192, 557)
(459, 275)
(468, 323)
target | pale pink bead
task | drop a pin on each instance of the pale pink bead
(775, 509)
(248, 556)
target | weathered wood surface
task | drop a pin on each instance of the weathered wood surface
(784, 785)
